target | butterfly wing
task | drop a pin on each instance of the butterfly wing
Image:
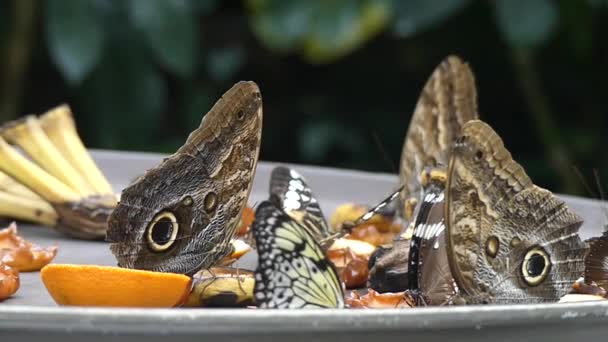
(596, 263)
(448, 100)
(292, 269)
(508, 240)
(290, 191)
(428, 268)
(180, 215)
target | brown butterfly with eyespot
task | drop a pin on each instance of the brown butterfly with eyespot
(447, 101)
(508, 240)
(181, 215)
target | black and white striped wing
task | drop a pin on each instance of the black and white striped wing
(292, 269)
(428, 269)
(290, 192)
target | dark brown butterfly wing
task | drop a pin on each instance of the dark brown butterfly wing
(508, 240)
(596, 263)
(181, 215)
(448, 101)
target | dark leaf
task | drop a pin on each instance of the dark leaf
(319, 136)
(170, 29)
(414, 16)
(324, 30)
(75, 37)
(340, 27)
(526, 23)
(203, 7)
(123, 98)
(281, 25)
(223, 63)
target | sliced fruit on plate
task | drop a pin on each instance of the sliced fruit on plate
(92, 285)
(9, 281)
(21, 254)
(222, 287)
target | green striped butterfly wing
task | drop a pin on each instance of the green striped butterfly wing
(292, 269)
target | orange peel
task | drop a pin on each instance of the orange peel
(93, 285)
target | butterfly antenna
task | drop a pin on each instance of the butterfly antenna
(596, 174)
(383, 152)
(584, 181)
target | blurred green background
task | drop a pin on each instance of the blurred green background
(339, 78)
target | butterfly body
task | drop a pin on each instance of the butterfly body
(181, 215)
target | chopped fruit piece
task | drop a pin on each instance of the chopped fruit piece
(20, 254)
(239, 248)
(352, 268)
(92, 285)
(222, 287)
(9, 281)
(375, 300)
(350, 212)
(369, 232)
(358, 247)
(246, 220)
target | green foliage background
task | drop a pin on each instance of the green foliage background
(337, 76)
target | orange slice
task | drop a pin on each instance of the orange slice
(92, 285)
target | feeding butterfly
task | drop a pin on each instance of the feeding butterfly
(292, 269)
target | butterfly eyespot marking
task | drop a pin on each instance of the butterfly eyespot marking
(210, 202)
(240, 115)
(515, 242)
(162, 232)
(187, 201)
(492, 246)
(536, 266)
(478, 155)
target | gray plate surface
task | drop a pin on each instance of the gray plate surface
(33, 314)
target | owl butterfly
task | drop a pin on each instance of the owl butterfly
(447, 101)
(507, 240)
(292, 270)
(181, 215)
(596, 263)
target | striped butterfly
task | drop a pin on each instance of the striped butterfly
(429, 277)
(292, 270)
(290, 192)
